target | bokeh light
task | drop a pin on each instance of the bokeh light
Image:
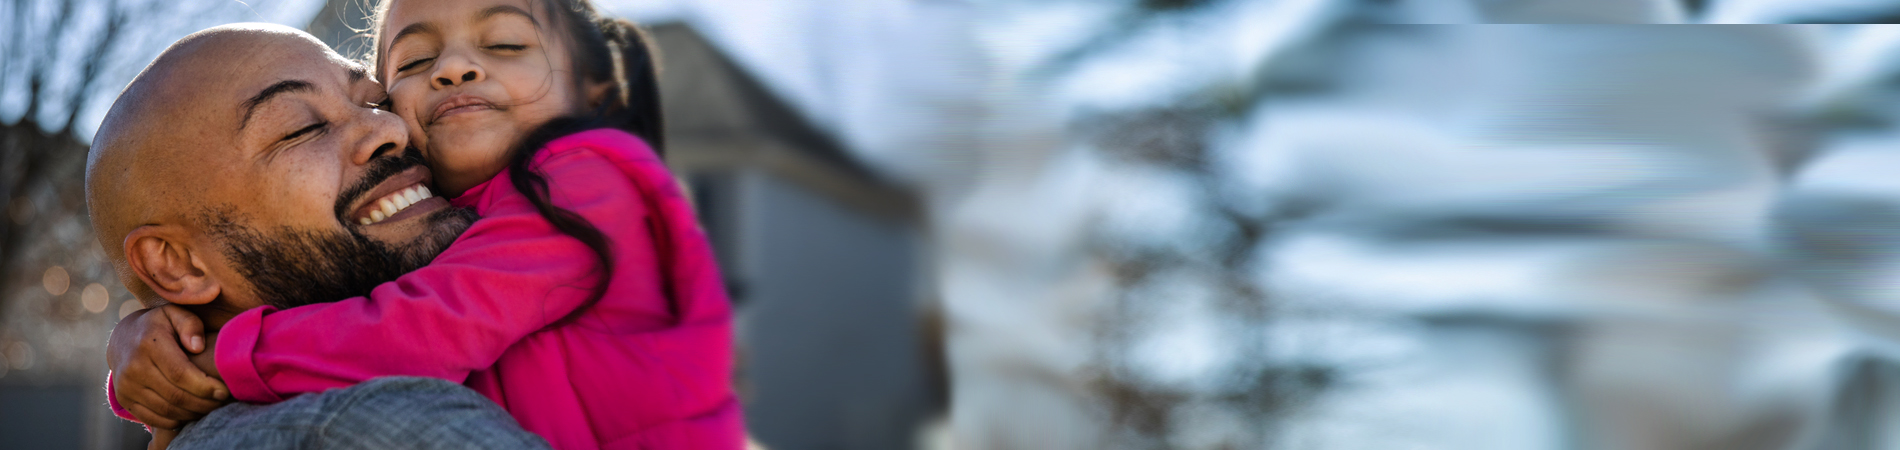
(95, 298)
(20, 355)
(56, 280)
(127, 308)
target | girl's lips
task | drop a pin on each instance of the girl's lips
(457, 105)
(460, 110)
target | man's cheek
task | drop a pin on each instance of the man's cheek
(312, 182)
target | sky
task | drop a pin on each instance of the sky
(145, 42)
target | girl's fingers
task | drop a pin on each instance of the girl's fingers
(149, 418)
(176, 369)
(175, 395)
(122, 388)
(193, 405)
(159, 406)
(189, 328)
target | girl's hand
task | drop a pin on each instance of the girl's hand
(152, 377)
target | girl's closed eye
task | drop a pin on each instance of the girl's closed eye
(405, 67)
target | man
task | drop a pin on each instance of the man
(218, 183)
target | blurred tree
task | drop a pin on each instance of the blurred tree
(56, 60)
(62, 62)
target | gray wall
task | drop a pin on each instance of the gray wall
(829, 320)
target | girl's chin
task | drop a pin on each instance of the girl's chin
(456, 138)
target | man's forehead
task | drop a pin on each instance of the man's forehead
(278, 75)
(310, 65)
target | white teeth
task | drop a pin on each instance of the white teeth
(389, 205)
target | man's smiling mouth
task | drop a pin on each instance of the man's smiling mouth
(398, 196)
(386, 207)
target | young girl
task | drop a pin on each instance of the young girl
(585, 302)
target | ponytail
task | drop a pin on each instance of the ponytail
(633, 104)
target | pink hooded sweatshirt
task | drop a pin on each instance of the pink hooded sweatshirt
(648, 366)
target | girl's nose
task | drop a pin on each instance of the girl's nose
(456, 70)
(466, 77)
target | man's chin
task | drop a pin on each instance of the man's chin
(431, 234)
(290, 268)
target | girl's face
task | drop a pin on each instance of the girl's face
(472, 78)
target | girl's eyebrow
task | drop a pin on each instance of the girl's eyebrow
(497, 10)
(418, 27)
(485, 14)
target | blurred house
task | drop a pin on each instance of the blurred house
(822, 257)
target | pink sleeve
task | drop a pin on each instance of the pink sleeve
(112, 399)
(509, 275)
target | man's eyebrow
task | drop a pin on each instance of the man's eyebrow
(497, 10)
(281, 87)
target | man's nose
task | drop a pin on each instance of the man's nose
(456, 71)
(383, 135)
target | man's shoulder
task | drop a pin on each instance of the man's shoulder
(406, 412)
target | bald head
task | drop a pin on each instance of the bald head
(239, 147)
(146, 159)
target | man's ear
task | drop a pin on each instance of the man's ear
(162, 258)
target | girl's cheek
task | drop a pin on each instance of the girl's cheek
(417, 138)
(529, 79)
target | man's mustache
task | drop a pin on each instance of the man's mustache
(379, 170)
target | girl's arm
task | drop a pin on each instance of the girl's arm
(509, 275)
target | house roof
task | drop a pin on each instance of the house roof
(719, 116)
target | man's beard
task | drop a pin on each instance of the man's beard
(290, 267)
